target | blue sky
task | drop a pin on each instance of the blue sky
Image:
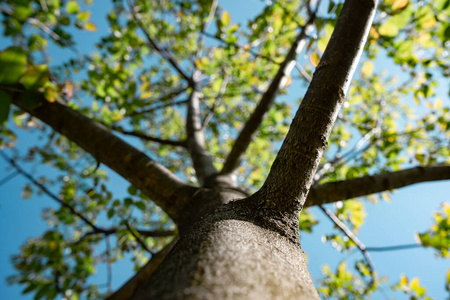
(387, 224)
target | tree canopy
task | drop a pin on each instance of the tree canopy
(176, 96)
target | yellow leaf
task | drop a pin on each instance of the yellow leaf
(416, 99)
(399, 4)
(403, 280)
(438, 103)
(225, 18)
(314, 59)
(367, 69)
(90, 27)
(386, 197)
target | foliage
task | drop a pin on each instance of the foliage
(388, 123)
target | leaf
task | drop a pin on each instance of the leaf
(5, 103)
(90, 27)
(225, 19)
(140, 205)
(399, 4)
(84, 16)
(13, 64)
(72, 7)
(314, 59)
(35, 77)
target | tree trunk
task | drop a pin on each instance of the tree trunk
(235, 252)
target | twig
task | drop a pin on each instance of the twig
(355, 240)
(149, 138)
(156, 46)
(48, 192)
(9, 177)
(393, 248)
(108, 265)
(216, 101)
(138, 239)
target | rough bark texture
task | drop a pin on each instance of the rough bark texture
(233, 253)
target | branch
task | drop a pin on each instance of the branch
(355, 240)
(294, 167)
(138, 238)
(163, 105)
(156, 46)
(49, 193)
(363, 186)
(149, 138)
(153, 179)
(201, 159)
(393, 248)
(254, 122)
(127, 290)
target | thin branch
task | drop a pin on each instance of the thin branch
(201, 159)
(238, 46)
(169, 96)
(149, 138)
(44, 28)
(157, 107)
(48, 192)
(108, 265)
(216, 101)
(143, 232)
(153, 179)
(127, 290)
(205, 26)
(156, 46)
(393, 248)
(355, 240)
(366, 185)
(138, 239)
(252, 125)
(9, 177)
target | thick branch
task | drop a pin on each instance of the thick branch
(201, 159)
(254, 122)
(153, 179)
(363, 186)
(141, 277)
(293, 170)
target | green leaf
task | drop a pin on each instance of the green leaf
(13, 64)
(36, 77)
(83, 16)
(5, 103)
(72, 7)
(140, 205)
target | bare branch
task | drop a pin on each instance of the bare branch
(127, 290)
(138, 238)
(363, 186)
(355, 240)
(252, 125)
(9, 177)
(149, 138)
(49, 193)
(201, 159)
(156, 46)
(169, 96)
(393, 248)
(153, 179)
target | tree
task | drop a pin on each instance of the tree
(201, 94)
